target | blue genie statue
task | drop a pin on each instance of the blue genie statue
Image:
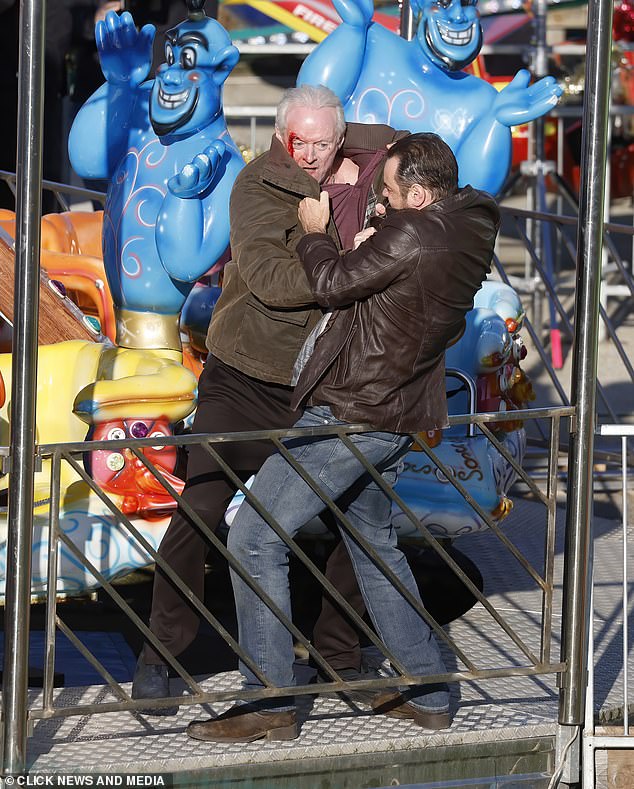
(165, 147)
(419, 85)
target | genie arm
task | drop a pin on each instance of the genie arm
(337, 62)
(99, 135)
(490, 135)
(192, 229)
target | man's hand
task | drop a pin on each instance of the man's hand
(362, 236)
(314, 214)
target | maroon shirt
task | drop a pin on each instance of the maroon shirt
(349, 202)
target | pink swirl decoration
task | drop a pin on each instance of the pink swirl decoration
(144, 201)
(130, 262)
(410, 103)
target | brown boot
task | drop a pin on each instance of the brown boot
(245, 723)
(392, 704)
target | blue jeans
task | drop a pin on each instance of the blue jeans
(265, 556)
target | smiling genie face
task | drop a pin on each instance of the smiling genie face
(187, 91)
(449, 31)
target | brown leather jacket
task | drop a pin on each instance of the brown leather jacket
(266, 308)
(399, 300)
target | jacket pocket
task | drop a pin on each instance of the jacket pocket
(296, 317)
(272, 337)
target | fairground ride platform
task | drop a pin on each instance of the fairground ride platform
(502, 735)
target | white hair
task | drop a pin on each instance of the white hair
(313, 96)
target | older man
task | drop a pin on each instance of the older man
(264, 315)
(399, 299)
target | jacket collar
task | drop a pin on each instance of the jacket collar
(462, 199)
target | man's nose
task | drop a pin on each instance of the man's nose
(310, 152)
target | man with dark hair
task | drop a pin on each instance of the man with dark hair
(426, 159)
(398, 300)
(261, 320)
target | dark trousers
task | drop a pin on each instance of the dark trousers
(230, 401)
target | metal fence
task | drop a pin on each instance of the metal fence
(554, 289)
(595, 736)
(64, 194)
(529, 658)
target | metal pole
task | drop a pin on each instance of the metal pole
(24, 382)
(407, 21)
(578, 557)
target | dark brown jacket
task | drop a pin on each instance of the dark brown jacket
(399, 300)
(266, 308)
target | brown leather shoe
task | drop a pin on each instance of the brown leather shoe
(393, 705)
(244, 723)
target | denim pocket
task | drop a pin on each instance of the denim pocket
(342, 468)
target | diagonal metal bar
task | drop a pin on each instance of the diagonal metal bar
(546, 279)
(622, 266)
(417, 605)
(515, 465)
(125, 607)
(617, 343)
(57, 189)
(611, 332)
(301, 555)
(332, 687)
(608, 324)
(537, 344)
(131, 615)
(441, 552)
(253, 585)
(485, 517)
(566, 323)
(94, 662)
(158, 559)
(572, 252)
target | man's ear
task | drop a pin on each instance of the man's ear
(418, 197)
(279, 134)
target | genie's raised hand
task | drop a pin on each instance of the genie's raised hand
(520, 103)
(196, 177)
(357, 13)
(125, 54)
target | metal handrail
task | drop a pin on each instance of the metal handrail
(623, 739)
(539, 662)
(58, 190)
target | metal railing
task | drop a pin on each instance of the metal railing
(579, 488)
(530, 659)
(593, 741)
(554, 287)
(60, 191)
